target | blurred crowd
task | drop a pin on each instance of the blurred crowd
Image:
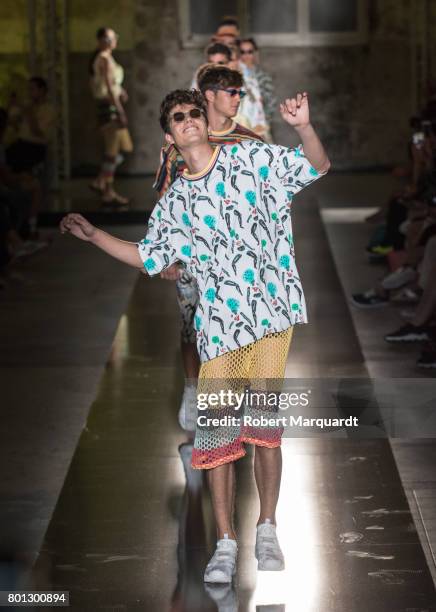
(405, 240)
(26, 128)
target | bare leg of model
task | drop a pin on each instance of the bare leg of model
(268, 473)
(113, 145)
(109, 195)
(221, 482)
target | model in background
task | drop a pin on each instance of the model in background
(216, 53)
(106, 84)
(228, 27)
(249, 56)
(251, 112)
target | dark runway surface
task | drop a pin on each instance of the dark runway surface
(132, 529)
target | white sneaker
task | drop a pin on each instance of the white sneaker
(222, 567)
(268, 552)
(188, 409)
(223, 595)
(408, 314)
(402, 276)
(405, 296)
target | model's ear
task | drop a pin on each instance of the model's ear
(168, 138)
(209, 95)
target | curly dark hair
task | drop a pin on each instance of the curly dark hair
(212, 76)
(180, 96)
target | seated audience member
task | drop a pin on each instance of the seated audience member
(407, 239)
(418, 230)
(19, 194)
(422, 154)
(36, 124)
(422, 319)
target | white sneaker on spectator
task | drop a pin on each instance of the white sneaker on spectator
(369, 299)
(408, 313)
(222, 566)
(399, 278)
(405, 296)
(188, 409)
(268, 552)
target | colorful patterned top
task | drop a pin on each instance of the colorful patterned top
(231, 226)
(171, 162)
(251, 111)
(266, 87)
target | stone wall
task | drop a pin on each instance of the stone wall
(361, 96)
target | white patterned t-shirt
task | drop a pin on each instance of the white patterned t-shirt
(231, 226)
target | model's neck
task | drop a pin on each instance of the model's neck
(217, 121)
(197, 158)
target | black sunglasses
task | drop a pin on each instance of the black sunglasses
(247, 52)
(233, 92)
(194, 113)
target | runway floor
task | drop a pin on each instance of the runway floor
(132, 529)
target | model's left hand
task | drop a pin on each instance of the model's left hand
(295, 111)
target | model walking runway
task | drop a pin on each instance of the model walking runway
(134, 526)
(255, 442)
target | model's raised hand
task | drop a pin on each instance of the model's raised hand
(295, 111)
(78, 226)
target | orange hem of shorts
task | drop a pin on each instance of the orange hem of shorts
(218, 462)
(261, 442)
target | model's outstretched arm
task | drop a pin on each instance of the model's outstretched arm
(126, 252)
(295, 111)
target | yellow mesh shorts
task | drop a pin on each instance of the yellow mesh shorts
(253, 373)
(116, 140)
